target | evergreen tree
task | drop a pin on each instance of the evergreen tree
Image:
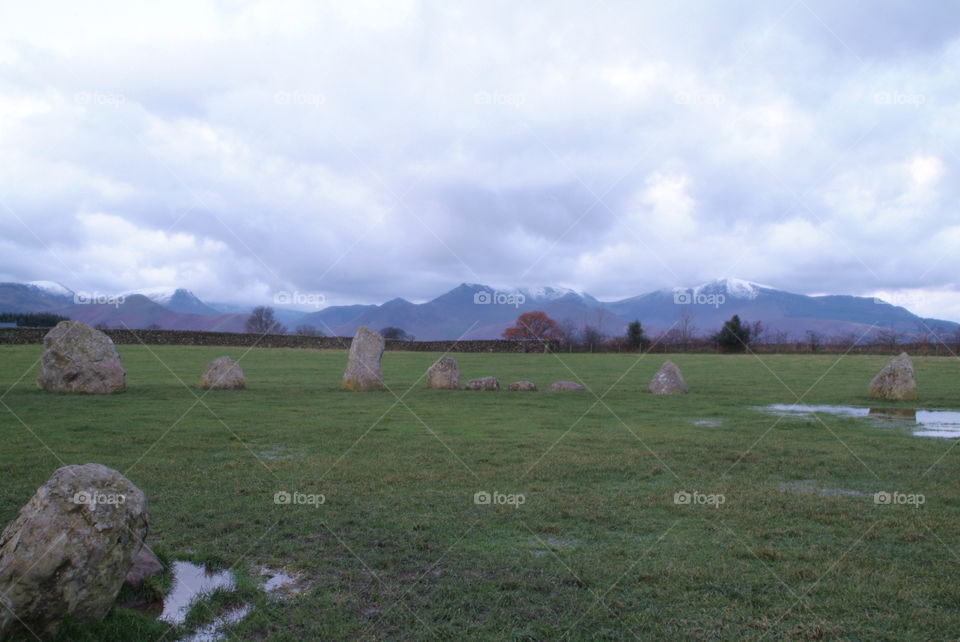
(734, 336)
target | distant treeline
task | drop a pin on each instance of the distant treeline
(933, 346)
(32, 319)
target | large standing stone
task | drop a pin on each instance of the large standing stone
(561, 386)
(78, 358)
(668, 380)
(484, 383)
(895, 381)
(363, 366)
(444, 374)
(223, 373)
(527, 386)
(69, 549)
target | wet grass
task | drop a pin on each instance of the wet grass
(598, 549)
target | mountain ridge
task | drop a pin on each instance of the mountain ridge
(478, 311)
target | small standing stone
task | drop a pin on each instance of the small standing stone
(561, 386)
(145, 565)
(444, 374)
(484, 383)
(524, 386)
(668, 380)
(222, 373)
(78, 358)
(364, 371)
(69, 549)
(895, 381)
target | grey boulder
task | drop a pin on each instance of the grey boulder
(668, 380)
(223, 373)
(484, 383)
(444, 374)
(78, 358)
(561, 386)
(364, 371)
(69, 549)
(895, 381)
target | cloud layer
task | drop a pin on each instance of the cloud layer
(368, 150)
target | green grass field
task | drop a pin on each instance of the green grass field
(598, 549)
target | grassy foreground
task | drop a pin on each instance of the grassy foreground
(598, 548)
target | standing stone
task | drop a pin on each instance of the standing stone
(222, 373)
(444, 374)
(78, 358)
(668, 380)
(69, 549)
(484, 383)
(561, 386)
(895, 381)
(528, 386)
(363, 365)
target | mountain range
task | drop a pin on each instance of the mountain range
(476, 311)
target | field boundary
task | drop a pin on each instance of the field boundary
(20, 336)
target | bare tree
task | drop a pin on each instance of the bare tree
(683, 333)
(262, 321)
(845, 341)
(781, 338)
(566, 334)
(592, 337)
(814, 340)
(888, 338)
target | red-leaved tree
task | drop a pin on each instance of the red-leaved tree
(533, 326)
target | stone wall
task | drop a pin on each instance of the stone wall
(194, 338)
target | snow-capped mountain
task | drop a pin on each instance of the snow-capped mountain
(477, 311)
(52, 288)
(730, 287)
(173, 298)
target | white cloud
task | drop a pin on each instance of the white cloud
(369, 150)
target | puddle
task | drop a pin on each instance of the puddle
(214, 630)
(707, 422)
(277, 453)
(810, 486)
(280, 582)
(190, 581)
(938, 423)
(944, 424)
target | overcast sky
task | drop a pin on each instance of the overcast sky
(371, 150)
